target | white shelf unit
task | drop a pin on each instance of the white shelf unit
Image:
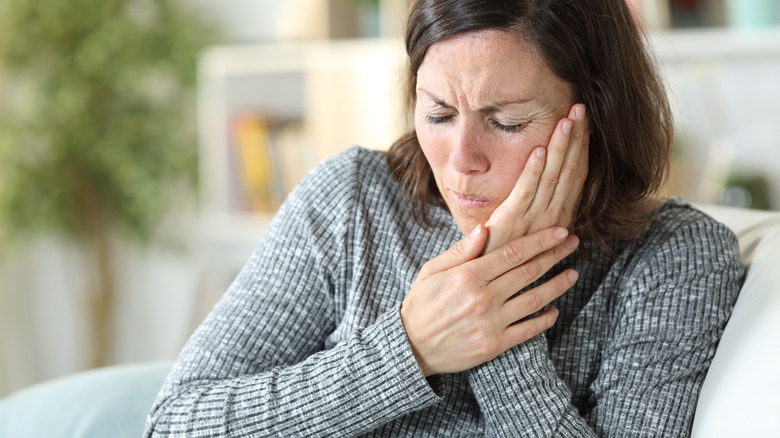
(338, 94)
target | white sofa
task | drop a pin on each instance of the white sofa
(740, 397)
(741, 394)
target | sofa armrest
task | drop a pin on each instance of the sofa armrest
(741, 393)
(106, 402)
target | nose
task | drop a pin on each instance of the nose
(467, 155)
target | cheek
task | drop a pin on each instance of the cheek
(509, 164)
(540, 134)
(434, 148)
(506, 172)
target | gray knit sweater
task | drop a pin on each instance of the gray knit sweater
(308, 340)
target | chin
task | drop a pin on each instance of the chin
(466, 225)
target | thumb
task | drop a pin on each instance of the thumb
(465, 250)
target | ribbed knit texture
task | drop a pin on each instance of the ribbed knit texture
(308, 340)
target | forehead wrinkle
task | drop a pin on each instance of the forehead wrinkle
(464, 73)
(464, 80)
(501, 103)
(482, 92)
(491, 105)
(436, 99)
(491, 108)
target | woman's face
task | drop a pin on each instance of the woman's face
(484, 101)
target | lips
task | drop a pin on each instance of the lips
(466, 200)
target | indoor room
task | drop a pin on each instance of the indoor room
(146, 147)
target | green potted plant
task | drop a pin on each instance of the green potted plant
(96, 126)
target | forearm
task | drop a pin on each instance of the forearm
(357, 386)
(520, 394)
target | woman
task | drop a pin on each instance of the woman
(541, 129)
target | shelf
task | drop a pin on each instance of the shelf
(714, 43)
(329, 95)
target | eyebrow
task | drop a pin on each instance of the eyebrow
(486, 110)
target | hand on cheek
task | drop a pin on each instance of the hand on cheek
(548, 191)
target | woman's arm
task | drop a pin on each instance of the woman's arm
(256, 366)
(520, 394)
(665, 336)
(657, 343)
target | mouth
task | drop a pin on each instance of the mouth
(466, 200)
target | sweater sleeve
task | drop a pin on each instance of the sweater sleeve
(658, 341)
(258, 366)
(520, 394)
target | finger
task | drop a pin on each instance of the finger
(522, 331)
(517, 252)
(521, 197)
(535, 299)
(572, 203)
(574, 169)
(556, 152)
(465, 250)
(523, 275)
(526, 186)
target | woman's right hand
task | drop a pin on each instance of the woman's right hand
(460, 311)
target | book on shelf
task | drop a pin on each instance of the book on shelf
(252, 169)
(267, 160)
(295, 155)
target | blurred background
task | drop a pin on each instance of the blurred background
(145, 145)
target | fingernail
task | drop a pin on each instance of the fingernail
(573, 276)
(579, 112)
(475, 232)
(572, 242)
(566, 128)
(540, 152)
(560, 233)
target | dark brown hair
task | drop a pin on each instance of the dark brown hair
(595, 46)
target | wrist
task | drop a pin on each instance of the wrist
(421, 363)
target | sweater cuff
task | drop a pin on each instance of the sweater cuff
(402, 375)
(520, 388)
(521, 366)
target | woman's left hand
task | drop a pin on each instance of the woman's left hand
(548, 191)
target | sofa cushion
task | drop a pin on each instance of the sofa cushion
(108, 402)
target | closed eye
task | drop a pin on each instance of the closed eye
(507, 128)
(434, 120)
